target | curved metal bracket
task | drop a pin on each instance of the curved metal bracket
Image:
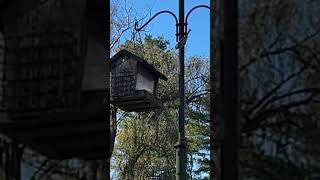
(175, 17)
(194, 8)
(161, 12)
(154, 16)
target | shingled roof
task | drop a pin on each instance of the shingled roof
(143, 62)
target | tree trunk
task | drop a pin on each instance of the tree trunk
(113, 129)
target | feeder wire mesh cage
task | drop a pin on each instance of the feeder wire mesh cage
(123, 84)
(39, 71)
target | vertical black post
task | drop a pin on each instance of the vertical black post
(215, 116)
(18, 151)
(230, 101)
(212, 103)
(106, 6)
(181, 152)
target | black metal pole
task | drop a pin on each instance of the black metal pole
(181, 28)
(215, 124)
(181, 151)
(106, 5)
(230, 92)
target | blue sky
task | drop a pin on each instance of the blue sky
(164, 25)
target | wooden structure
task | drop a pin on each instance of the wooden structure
(10, 160)
(134, 83)
(53, 84)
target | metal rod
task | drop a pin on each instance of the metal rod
(213, 100)
(181, 151)
(190, 11)
(194, 8)
(154, 16)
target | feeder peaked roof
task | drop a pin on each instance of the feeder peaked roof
(140, 60)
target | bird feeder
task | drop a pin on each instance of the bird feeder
(134, 83)
(53, 79)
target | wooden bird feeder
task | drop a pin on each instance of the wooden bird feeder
(134, 83)
(53, 91)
